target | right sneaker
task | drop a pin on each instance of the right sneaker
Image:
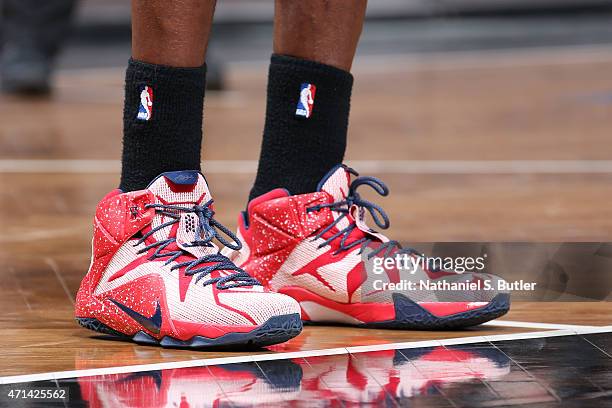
(156, 277)
(318, 249)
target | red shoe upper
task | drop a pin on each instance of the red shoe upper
(156, 268)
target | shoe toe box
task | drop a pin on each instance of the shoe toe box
(261, 306)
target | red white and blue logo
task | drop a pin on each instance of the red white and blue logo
(306, 102)
(145, 111)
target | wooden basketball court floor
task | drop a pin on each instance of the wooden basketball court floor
(499, 146)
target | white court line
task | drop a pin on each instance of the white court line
(27, 166)
(299, 354)
(418, 61)
(535, 325)
(485, 59)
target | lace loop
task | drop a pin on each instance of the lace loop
(379, 216)
(207, 230)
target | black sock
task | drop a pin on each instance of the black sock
(168, 136)
(296, 150)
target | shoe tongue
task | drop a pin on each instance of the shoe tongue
(336, 182)
(182, 189)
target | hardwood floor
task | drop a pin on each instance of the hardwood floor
(435, 110)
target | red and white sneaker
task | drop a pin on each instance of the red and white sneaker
(156, 277)
(318, 249)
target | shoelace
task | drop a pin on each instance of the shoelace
(207, 230)
(377, 213)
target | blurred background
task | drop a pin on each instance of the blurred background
(488, 119)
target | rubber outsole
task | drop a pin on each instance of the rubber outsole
(277, 329)
(409, 315)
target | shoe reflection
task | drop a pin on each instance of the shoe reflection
(374, 377)
(343, 380)
(242, 384)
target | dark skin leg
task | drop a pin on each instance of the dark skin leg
(171, 32)
(325, 31)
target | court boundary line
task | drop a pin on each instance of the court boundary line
(104, 166)
(537, 325)
(519, 56)
(57, 375)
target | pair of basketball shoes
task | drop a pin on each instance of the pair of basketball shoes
(157, 277)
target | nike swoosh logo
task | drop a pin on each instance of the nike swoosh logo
(152, 324)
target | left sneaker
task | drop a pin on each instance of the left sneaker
(156, 276)
(318, 249)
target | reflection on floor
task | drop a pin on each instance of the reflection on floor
(574, 370)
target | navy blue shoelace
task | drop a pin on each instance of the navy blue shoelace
(376, 212)
(207, 230)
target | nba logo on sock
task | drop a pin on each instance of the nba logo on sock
(307, 95)
(145, 111)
